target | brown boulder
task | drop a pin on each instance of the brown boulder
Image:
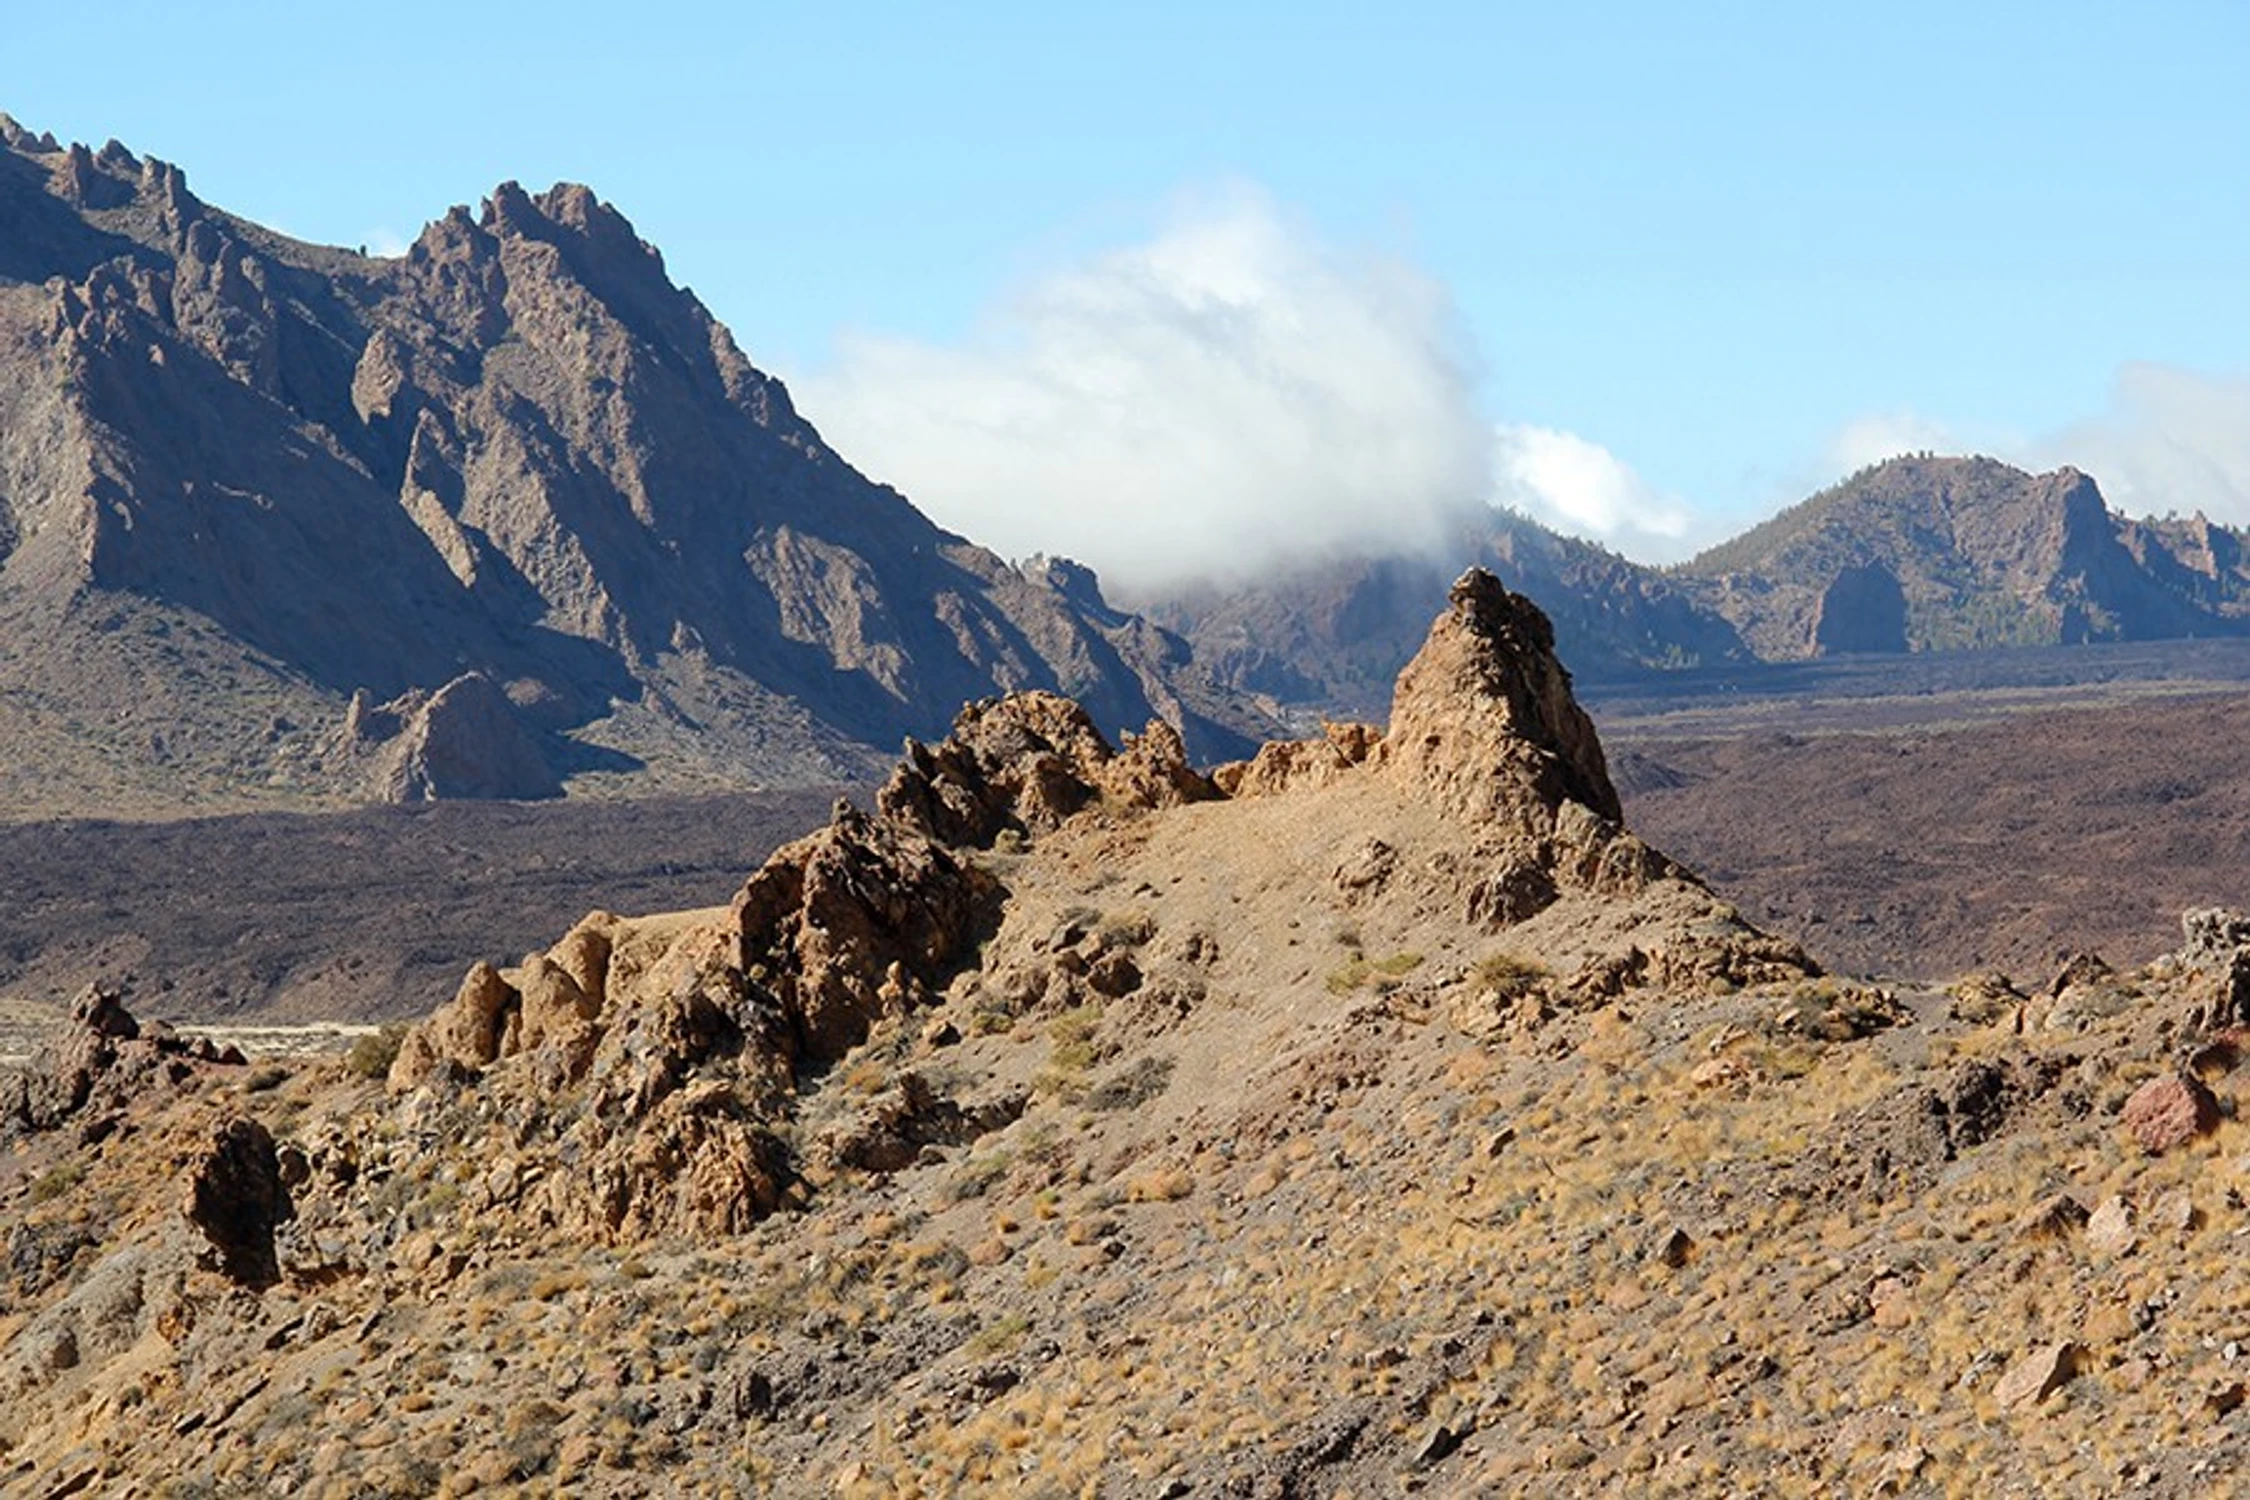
(2170, 1111)
(552, 1002)
(2078, 969)
(2109, 1231)
(2037, 1375)
(468, 1033)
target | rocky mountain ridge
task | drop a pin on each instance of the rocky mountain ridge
(1935, 554)
(1916, 554)
(243, 479)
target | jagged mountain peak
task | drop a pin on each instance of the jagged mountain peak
(517, 452)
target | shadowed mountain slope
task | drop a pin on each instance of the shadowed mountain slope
(243, 479)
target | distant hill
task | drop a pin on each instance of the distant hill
(286, 522)
(1938, 554)
(1912, 555)
(1334, 634)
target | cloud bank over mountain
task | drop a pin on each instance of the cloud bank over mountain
(2171, 440)
(1582, 488)
(1236, 392)
(1233, 393)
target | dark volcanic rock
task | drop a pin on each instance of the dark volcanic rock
(236, 1198)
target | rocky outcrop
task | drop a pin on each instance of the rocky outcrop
(1025, 763)
(680, 1047)
(103, 1060)
(1484, 717)
(464, 740)
(1484, 725)
(1314, 762)
(686, 1038)
(864, 919)
(1861, 612)
(236, 1199)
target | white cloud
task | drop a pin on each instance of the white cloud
(387, 243)
(1230, 394)
(1581, 487)
(2172, 440)
(1880, 435)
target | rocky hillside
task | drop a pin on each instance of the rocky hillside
(1376, 1113)
(283, 520)
(1938, 554)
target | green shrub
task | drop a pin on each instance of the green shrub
(1506, 976)
(372, 1055)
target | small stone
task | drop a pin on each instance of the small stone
(2176, 1213)
(1715, 1072)
(1675, 1249)
(2170, 1111)
(2110, 1230)
(940, 1033)
(2107, 1323)
(1440, 1445)
(2037, 1375)
(1889, 1304)
(1499, 1141)
(2223, 1398)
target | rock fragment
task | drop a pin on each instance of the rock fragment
(2168, 1112)
(2110, 1230)
(2037, 1375)
(2054, 1218)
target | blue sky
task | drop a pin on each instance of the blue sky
(1145, 282)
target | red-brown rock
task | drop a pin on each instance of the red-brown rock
(2170, 1111)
